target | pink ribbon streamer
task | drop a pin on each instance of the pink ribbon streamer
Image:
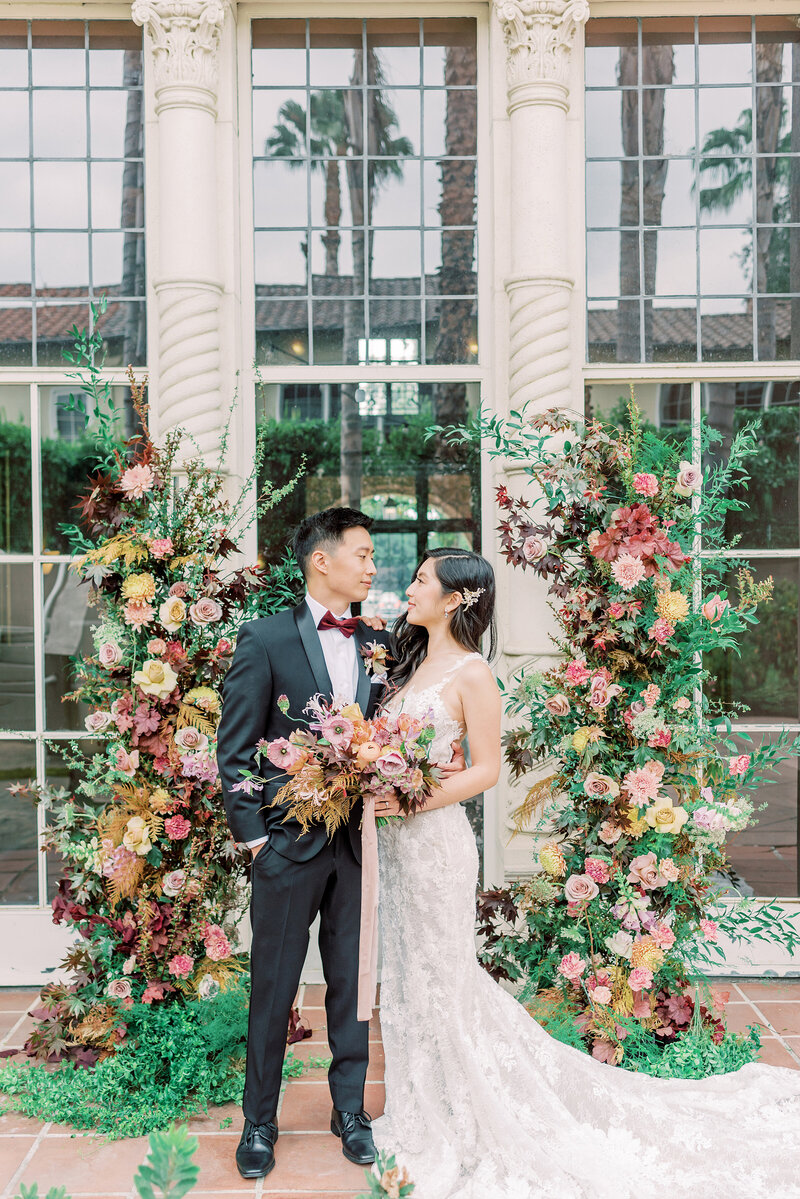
(368, 930)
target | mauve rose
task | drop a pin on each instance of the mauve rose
(96, 722)
(557, 705)
(579, 888)
(205, 611)
(173, 883)
(191, 740)
(391, 764)
(110, 655)
(713, 608)
(644, 870)
(119, 988)
(600, 784)
(534, 548)
(179, 589)
(689, 479)
(609, 832)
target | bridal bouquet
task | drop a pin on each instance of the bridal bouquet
(341, 757)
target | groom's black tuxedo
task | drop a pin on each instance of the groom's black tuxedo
(294, 876)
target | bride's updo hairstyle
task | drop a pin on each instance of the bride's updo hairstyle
(457, 570)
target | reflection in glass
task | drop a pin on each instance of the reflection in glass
(395, 45)
(115, 54)
(668, 47)
(605, 40)
(67, 619)
(604, 191)
(725, 119)
(282, 330)
(60, 198)
(15, 195)
(439, 133)
(603, 263)
(59, 124)
(16, 332)
(59, 55)
(669, 127)
(13, 125)
(675, 253)
(334, 45)
(397, 202)
(331, 181)
(764, 857)
(337, 326)
(604, 125)
(53, 323)
(124, 331)
(280, 195)
(678, 202)
(279, 53)
(117, 195)
(332, 258)
(726, 190)
(15, 469)
(17, 674)
(777, 38)
(451, 332)
(19, 873)
(62, 261)
(279, 121)
(14, 53)
(394, 120)
(726, 330)
(397, 319)
(396, 254)
(116, 123)
(15, 259)
(281, 258)
(118, 263)
(725, 261)
(725, 52)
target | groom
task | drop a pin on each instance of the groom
(298, 653)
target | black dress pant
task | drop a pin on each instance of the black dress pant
(285, 900)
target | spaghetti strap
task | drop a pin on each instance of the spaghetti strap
(454, 669)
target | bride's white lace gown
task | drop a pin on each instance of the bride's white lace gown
(481, 1103)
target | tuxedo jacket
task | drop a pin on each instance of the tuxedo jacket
(279, 655)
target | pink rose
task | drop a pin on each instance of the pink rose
(740, 765)
(640, 979)
(682, 704)
(177, 827)
(534, 548)
(689, 479)
(205, 611)
(191, 740)
(597, 868)
(173, 883)
(557, 705)
(161, 547)
(119, 988)
(284, 754)
(580, 888)
(223, 646)
(714, 608)
(609, 833)
(156, 646)
(644, 871)
(663, 936)
(601, 995)
(602, 693)
(709, 929)
(110, 655)
(645, 484)
(600, 785)
(181, 965)
(391, 764)
(96, 722)
(126, 763)
(179, 590)
(571, 966)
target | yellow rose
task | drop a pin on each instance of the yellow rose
(137, 836)
(172, 613)
(664, 818)
(156, 678)
(139, 588)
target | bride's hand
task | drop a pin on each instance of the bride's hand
(376, 623)
(386, 807)
(456, 764)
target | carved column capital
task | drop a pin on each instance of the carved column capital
(540, 35)
(184, 37)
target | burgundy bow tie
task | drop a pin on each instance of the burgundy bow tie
(347, 625)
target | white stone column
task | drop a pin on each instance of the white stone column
(182, 49)
(545, 316)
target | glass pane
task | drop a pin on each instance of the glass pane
(118, 263)
(668, 121)
(394, 122)
(282, 330)
(117, 195)
(726, 190)
(280, 195)
(124, 330)
(676, 206)
(611, 124)
(17, 676)
(281, 258)
(336, 183)
(607, 41)
(396, 46)
(13, 124)
(668, 50)
(115, 124)
(726, 329)
(777, 41)
(457, 249)
(770, 519)
(59, 124)
(603, 263)
(608, 186)
(62, 262)
(332, 258)
(725, 261)
(279, 53)
(670, 262)
(725, 54)
(53, 324)
(19, 874)
(280, 119)
(15, 195)
(336, 57)
(764, 857)
(60, 195)
(16, 332)
(396, 320)
(59, 54)
(670, 331)
(725, 119)
(67, 622)
(451, 332)
(396, 199)
(450, 53)
(396, 254)
(15, 470)
(338, 326)
(450, 122)
(15, 259)
(14, 53)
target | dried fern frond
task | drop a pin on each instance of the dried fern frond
(622, 663)
(189, 715)
(533, 801)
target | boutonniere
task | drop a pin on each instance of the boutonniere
(376, 660)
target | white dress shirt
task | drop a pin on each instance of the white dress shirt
(341, 659)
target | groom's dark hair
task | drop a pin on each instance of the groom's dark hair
(325, 528)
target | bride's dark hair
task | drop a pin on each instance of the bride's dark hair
(457, 570)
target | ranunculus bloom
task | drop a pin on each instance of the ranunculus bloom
(580, 888)
(180, 589)
(126, 763)
(620, 944)
(689, 479)
(391, 764)
(651, 695)
(368, 751)
(597, 868)
(534, 548)
(664, 818)
(557, 705)
(571, 966)
(216, 944)
(600, 785)
(137, 836)
(177, 827)
(740, 765)
(601, 995)
(224, 646)
(172, 613)
(640, 979)
(645, 484)
(205, 611)
(609, 833)
(119, 988)
(644, 871)
(173, 883)
(181, 965)
(190, 739)
(110, 655)
(660, 738)
(668, 869)
(161, 547)
(714, 608)
(616, 611)
(156, 678)
(628, 571)
(136, 481)
(96, 722)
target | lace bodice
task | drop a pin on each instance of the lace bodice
(481, 1103)
(419, 702)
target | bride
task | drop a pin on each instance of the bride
(481, 1103)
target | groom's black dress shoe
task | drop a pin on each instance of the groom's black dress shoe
(354, 1129)
(255, 1153)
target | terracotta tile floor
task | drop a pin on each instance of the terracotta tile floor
(309, 1161)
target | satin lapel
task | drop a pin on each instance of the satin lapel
(363, 684)
(310, 638)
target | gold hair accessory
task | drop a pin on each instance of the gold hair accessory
(472, 597)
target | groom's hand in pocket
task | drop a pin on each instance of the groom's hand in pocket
(456, 764)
